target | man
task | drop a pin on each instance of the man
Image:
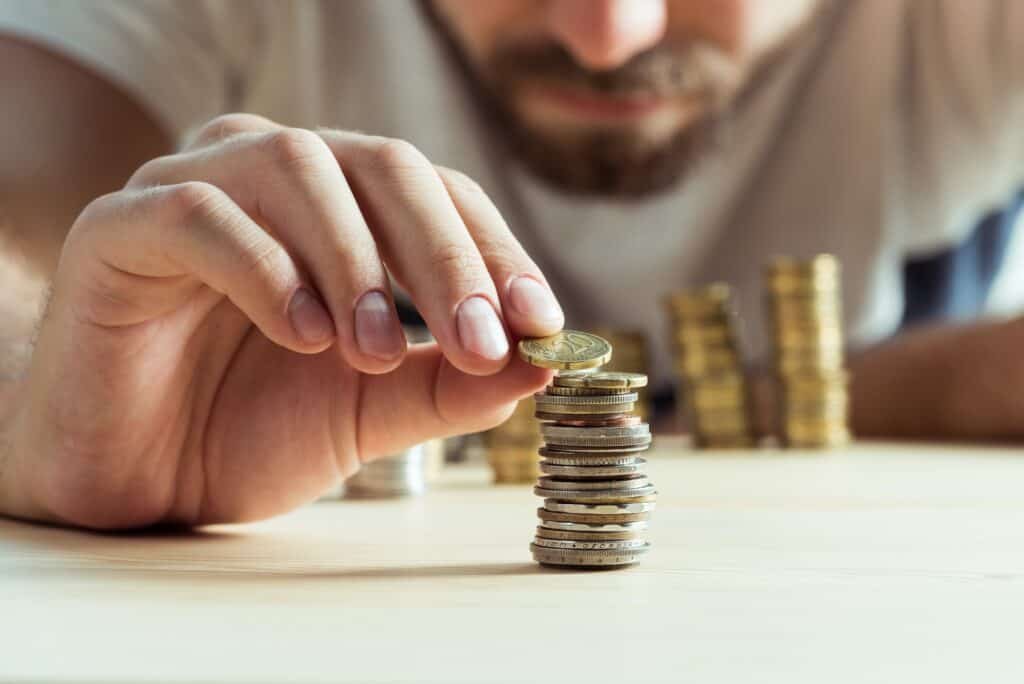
(221, 341)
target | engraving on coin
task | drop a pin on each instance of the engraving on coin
(568, 350)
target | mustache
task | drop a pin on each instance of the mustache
(695, 67)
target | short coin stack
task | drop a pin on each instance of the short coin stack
(597, 498)
(805, 313)
(709, 365)
(512, 447)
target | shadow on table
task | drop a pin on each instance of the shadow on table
(181, 553)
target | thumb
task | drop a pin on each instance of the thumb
(427, 397)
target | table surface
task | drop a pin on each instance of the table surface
(887, 563)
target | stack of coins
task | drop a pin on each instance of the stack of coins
(631, 355)
(407, 473)
(597, 498)
(709, 367)
(805, 315)
(512, 447)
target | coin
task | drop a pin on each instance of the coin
(550, 430)
(597, 509)
(586, 519)
(617, 545)
(568, 350)
(593, 410)
(590, 460)
(596, 495)
(572, 442)
(587, 471)
(580, 535)
(577, 420)
(602, 380)
(632, 482)
(570, 391)
(583, 559)
(587, 402)
(562, 373)
(568, 526)
(558, 449)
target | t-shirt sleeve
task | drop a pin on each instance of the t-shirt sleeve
(962, 117)
(174, 58)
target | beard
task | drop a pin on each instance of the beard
(617, 161)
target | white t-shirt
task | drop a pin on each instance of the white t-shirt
(886, 133)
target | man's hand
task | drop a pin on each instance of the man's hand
(221, 342)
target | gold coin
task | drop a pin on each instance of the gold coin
(603, 380)
(567, 350)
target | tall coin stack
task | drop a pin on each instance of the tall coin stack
(597, 498)
(709, 366)
(805, 315)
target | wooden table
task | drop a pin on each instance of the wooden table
(882, 564)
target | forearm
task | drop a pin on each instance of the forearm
(951, 382)
(68, 137)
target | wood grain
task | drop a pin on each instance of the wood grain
(884, 563)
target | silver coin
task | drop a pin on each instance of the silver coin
(620, 545)
(556, 451)
(637, 482)
(577, 535)
(590, 460)
(594, 410)
(587, 471)
(569, 557)
(605, 442)
(598, 509)
(558, 391)
(595, 495)
(551, 430)
(627, 398)
(594, 527)
(592, 518)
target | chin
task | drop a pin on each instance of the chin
(611, 162)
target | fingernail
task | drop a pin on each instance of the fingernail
(534, 300)
(480, 331)
(378, 332)
(309, 317)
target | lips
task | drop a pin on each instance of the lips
(595, 105)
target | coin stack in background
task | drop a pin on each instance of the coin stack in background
(805, 315)
(709, 367)
(407, 473)
(597, 497)
(512, 447)
(631, 355)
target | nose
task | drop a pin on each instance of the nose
(604, 34)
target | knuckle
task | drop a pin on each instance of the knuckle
(394, 156)
(151, 172)
(228, 125)
(266, 262)
(191, 201)
(460, 182)
(297, 147)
